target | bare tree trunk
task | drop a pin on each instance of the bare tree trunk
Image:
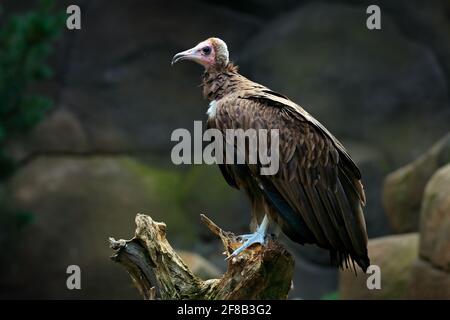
(159, 273)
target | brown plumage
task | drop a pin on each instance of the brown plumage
(317, 195)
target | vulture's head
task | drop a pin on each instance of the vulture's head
(211, 53)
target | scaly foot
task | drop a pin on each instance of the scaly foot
(259, 236)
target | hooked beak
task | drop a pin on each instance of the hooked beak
(190, 54)
(195, 54)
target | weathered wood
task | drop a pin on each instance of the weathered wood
(159, 272)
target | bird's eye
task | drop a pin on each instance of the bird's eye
(206, 50)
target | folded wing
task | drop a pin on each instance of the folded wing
(317, 191)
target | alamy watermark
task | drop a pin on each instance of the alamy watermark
(373, 281)
(73, 21)
(373, 22)
(235, 146)
(74, 279)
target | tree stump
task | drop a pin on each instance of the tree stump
(159, 273)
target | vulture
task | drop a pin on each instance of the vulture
(316, 197)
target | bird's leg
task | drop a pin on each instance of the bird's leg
(259, 236)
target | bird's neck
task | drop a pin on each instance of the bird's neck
(218, 82)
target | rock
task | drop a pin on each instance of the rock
(128, 95)
(404, 188)
(204, 190)
(394, 255)
(378, 86)
(124, 94)
(200, 266)
(435, 220)
(312, 280)
(372, 163)
(430, 278)
(349, 78)
(61, 131)
(428, 25)
(80, 201)
(428, 282)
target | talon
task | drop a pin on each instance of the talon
(259, 236)
(244, 237)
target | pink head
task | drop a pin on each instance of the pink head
(211, 53)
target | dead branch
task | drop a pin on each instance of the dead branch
(159, 272)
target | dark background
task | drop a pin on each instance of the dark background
(102, 153)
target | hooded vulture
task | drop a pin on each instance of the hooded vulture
(316, 196)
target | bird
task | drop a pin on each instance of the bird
(317, 196)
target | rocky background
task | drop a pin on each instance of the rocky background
(414, 263)
(103, 153)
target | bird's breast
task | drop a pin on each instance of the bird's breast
(212, 109)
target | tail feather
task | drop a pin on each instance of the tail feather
(341, 260)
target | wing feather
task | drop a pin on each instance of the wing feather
(317, 179)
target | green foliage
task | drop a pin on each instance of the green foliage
(331, 296)
(25, 45)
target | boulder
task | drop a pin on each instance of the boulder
(119, 80)
(61, 131)
(428, 282)
(204, 190)
(77, 203)
(380, 93)
(435, 220)
(428, 25)
(372, 163)
(80, 201)
(430, 277)
(312, 279)
(394, 255)
(379, 86)
(404, 188)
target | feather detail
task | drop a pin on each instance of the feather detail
(317, 196)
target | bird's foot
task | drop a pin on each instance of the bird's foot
(244, 237)
(249, 239)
